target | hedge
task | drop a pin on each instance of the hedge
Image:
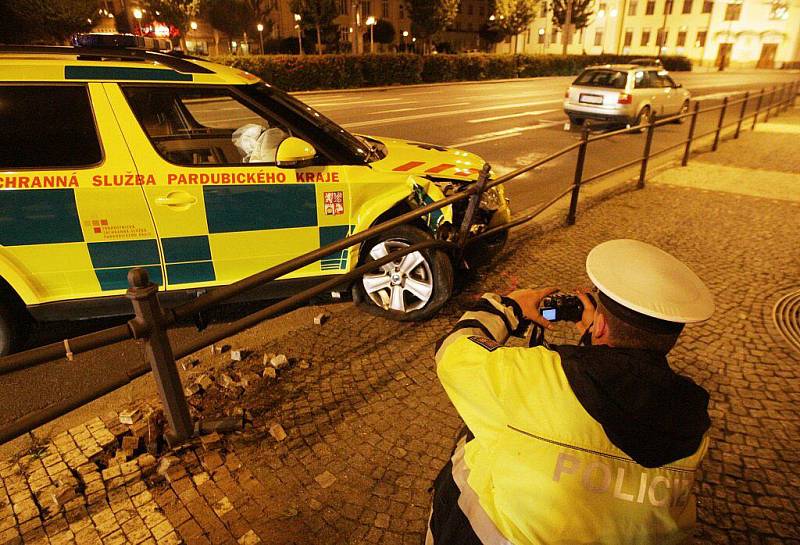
(312, 72)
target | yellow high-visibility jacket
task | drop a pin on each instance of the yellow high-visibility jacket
(541, 469)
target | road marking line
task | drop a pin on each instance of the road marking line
(421, 108)
(445, 114)
(357, 103)
(509, 116)
(498, 135)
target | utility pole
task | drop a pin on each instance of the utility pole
(662, 42)
(567, 37)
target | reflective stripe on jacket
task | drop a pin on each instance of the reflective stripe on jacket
(540, 468)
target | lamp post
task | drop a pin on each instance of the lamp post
(192, 28)
(260, 29)
(371, 24)
(137, 14)
(234, 45)
(298, 19)
(405, 35)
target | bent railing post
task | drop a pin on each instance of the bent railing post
(692, 126)
(794, 93)
(576, 184)
(472, 208)
(719, 124)
(158, 351)
(741, 115)
(648, 143)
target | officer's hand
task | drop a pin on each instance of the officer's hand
(529, 301)
(587, 319)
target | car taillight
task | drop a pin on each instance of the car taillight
(625, 98)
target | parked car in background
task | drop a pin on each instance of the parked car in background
(628, 94)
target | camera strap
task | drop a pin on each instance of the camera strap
(537, 336)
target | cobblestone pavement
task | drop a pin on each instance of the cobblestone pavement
(368, 426)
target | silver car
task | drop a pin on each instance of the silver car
(629, 94)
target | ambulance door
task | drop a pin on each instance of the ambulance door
(222, 208)
(72, 219)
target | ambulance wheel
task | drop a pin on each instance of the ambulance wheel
(411, 288)
(13, 326)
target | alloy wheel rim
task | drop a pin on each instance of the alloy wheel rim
(403, 285)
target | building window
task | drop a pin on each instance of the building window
(681, 39)
(668, 7)
(366, 9)
(661, 37)
(480, 10)
(701, 38)
(598, 37)
(687, 6)
(385, 6)
(651, 7)
(554, 36)
(601, 10)
(645, 37)
(733, 11)
(543, 10)
(632, 7)
(344, 34)
(343, 4)
(628, 37)
(708, 6)
(779, 11)
(402, 10)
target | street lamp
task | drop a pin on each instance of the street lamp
(192, 28)
(260, 28)
(371, 24)
(297, 19)
(137, 14)
(405, 35)
(234, 45)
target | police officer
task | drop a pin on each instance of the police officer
(577, 444)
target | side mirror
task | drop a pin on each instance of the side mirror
(678, 85)
(294, 153)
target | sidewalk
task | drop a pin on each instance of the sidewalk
(367, 426)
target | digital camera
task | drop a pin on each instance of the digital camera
(562, 307)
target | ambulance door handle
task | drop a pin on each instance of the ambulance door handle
(176, 199)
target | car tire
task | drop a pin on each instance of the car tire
(644, 117)
(576, 121)
(14, 324)
(684, 110)
(386, 291)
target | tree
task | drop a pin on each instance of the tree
(384, 32)
(177, 13)
(431, 16)
(232, 17)
(44, 21)
(581, 13)
(318, 14)
(514, 16)
(491, 33)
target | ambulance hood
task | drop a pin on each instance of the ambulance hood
(427, 160)
(648, 411)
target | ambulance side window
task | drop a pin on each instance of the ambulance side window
(195, 126)
(47, 127)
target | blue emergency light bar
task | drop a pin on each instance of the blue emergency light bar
(121, 41)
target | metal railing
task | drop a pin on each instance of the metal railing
(151, 321)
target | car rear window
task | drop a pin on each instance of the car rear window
(612, 79)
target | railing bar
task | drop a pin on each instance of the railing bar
(211, 336)
(519, 221)
(506, 177)
(55, 351)
(612, 170)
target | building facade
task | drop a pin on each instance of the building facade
(737, 33)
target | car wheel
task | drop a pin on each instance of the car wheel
(645, 117)
(577, 121)
(13, 326)
(684, 110)
(411, 288)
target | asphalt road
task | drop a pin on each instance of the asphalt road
(514, 123)
(509, 124)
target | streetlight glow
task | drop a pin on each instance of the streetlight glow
(193, 25)
(405, 34)
(137, 14)
(370, 22)
(260, 27)
(298, 17)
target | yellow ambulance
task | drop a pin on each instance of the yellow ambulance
(116, 154)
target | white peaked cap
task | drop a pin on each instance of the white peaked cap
(650, 281)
